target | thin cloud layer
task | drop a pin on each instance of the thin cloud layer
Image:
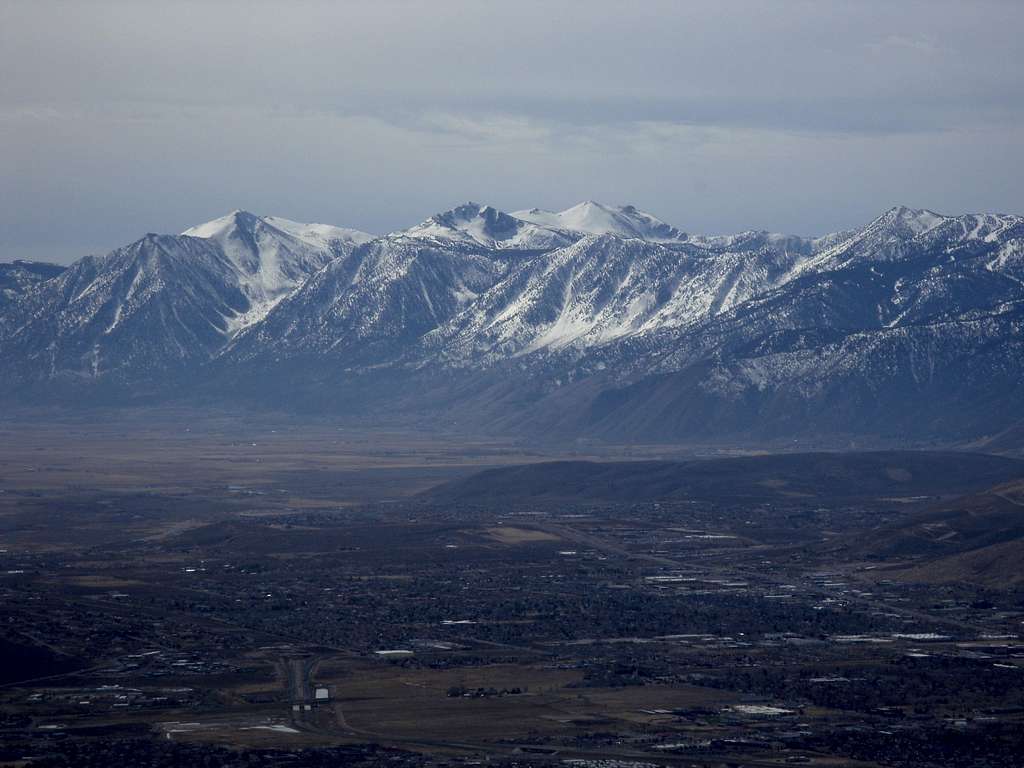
(117, 118)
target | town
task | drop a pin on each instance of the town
(693, 632)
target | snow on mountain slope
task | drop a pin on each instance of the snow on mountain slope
(926, 344)
(475, 224)
(19, 277)
(318, 236)
(369, 305)
(272, 255)
(153, 305)
(940, 281)
(164, 302)
(923, 339)
(912, 323)
(600, 289)
(597, 219)
(902, 233)
(753, 240)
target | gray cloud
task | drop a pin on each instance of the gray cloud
(118, 118)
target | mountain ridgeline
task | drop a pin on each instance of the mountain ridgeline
(597, 322)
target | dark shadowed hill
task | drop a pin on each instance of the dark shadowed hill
(976, 538)
(805, 475)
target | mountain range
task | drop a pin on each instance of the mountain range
(594, 322)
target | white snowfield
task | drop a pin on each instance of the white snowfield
(314, 235)
(597, 219)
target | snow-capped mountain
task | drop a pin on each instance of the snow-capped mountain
(592, 218)
(482, 225)
(594, 321)
(601, 289)
(922, 334)
(903, 233)
(273, 256)
(753, 240)
(368, 306)
(164, 302)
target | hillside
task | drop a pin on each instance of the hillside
(779, 476)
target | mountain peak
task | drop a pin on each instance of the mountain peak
(914, 221)
(477, 224)
(467, 210)
(594, 218)
(244, 224)
(236, 219)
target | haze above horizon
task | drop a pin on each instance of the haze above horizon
(798, 117)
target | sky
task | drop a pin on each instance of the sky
(122, 118)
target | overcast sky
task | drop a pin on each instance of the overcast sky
(120, 118)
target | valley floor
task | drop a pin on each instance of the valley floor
(278, 594)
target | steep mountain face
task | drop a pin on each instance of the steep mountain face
(19, 276)
(367, 307)
(596, 321)
(902, 234)
(273, 256)
(151, 306)
(161, 304)
(600, 290)
(928, 342)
